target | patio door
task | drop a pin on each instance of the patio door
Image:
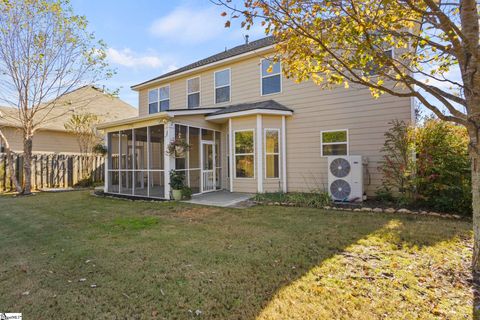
(208, 166)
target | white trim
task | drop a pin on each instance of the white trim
(106, 163)
(333, 143)
(169, 160)
(199, 92)
(261, 78)
(250, 112)
(272, 153)
(284, 154)
(230, 152)
(250, 53)
(259, 154)
(229, 86)
(244, 154)
(157, 89)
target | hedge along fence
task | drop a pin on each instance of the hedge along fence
(53, 170)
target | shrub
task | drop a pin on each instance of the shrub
(186, 192)
(443, 166)
(439, 177)
(315, 199)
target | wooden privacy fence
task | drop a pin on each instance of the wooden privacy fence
(53, 170)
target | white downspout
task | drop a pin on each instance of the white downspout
(284, 154)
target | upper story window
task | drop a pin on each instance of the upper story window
(334, 143)
(193, 93)
(159, 99)
(222, 86)
(271, 77)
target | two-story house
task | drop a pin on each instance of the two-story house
(249, 128)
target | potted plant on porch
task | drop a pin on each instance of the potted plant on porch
(177, 184)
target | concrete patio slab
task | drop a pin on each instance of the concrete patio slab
(220, 198)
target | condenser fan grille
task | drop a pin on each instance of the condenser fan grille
(340, 189)
(340, 167)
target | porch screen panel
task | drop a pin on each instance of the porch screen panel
(126, 162)
(156, 182)
(140, 175)
(113, 162)
(194, 159)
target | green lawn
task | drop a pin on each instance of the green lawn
(177, 261)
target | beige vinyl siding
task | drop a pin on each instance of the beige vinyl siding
(315, 110)
(44, 141)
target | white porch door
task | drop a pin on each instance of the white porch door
(208, 166)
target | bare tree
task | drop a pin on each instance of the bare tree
(45, 52)
(82, 125)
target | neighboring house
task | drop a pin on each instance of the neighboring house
(52, 137)
(250, 129)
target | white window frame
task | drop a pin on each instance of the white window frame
(333, 143)
(199, 91)
(159, 100)
(235, 154)
(229, 86)
(270, 75)
(271, 153)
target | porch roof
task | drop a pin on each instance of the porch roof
(242, 109)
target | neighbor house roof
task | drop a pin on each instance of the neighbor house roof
(235, 51)
(87, 99)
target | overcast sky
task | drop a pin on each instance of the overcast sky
(146, 38)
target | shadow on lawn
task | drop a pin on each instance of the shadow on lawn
(333, 237)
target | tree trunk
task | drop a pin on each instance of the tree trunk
(11, 169)
(27, 163)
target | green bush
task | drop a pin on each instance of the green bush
(315, 199)
(438, 177)
(443, 167)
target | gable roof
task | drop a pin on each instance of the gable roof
(260, 105)
(235, 51)
(87, 99)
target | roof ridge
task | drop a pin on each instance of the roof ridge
(235, 51)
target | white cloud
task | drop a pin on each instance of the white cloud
(127, 58)
(189, 25)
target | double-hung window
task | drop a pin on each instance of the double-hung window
(193, 93)
(272, 154)
(244, 154)
(222, 86)
(334, 143)
(271, 77)
(159, 99)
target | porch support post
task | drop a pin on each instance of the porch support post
(106, 163)
(284, 154)
(259, 154)
(230, 152)
(169, 163)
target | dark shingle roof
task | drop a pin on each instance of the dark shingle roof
(265, 105)
(244, 48)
